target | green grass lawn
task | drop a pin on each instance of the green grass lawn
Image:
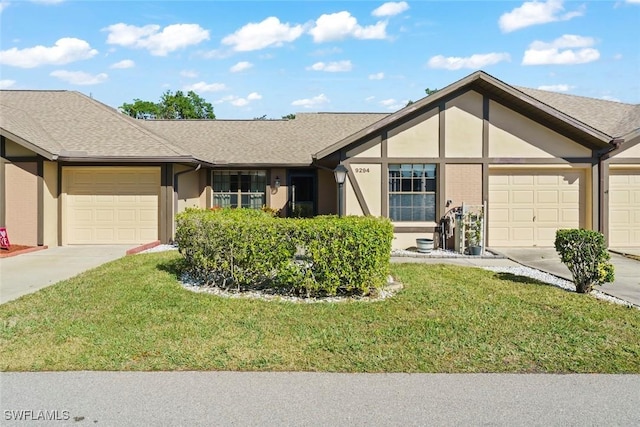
(132, 314)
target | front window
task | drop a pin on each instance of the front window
(412, 192)
(239, 189)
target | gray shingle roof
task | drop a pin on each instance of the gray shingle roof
(66, 123)
(612, 118)
(70, 125)
(275, 142)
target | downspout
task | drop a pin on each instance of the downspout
(602, 156)
(175, 194)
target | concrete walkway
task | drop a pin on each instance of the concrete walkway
(30, 272)
(318, 399)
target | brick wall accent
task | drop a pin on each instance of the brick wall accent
(463, 183)
(21, 194)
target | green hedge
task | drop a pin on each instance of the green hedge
(250, 249)
(585, 254)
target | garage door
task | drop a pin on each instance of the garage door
(624, 208)
(111, 205)
(526, 207)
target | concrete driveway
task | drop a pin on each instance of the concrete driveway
(627, 281)
(30, 272)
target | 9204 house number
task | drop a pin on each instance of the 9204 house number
(361, 170)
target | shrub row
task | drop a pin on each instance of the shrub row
(250, 249)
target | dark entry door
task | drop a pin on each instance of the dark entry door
(302, 194)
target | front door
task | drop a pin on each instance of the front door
(302, 194)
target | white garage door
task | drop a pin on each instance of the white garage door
(116, 205)
(624, 208)
(526, 207)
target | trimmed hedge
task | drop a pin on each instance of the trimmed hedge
(585, 254)
(251, 249)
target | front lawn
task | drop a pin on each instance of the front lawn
(132, 314)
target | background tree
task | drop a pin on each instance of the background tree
(141, 109)
(173, 106)
(289, 116)
(430, 91)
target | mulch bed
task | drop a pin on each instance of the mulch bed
(18, 249)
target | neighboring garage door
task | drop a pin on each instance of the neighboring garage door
(526, 207)
(624, 208)
(111, 205)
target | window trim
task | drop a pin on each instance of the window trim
(429, 172)
(263, 173)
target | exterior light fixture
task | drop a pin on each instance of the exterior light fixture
(276, 182)
(340, 174)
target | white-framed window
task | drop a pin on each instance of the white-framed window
(239, 188)
(412, 192)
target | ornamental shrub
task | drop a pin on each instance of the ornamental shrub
(249, 249)
(585, 254)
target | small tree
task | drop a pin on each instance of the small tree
(585, 255)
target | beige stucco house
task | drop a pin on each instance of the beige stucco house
(74, 171)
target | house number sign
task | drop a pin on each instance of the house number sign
(361, 170)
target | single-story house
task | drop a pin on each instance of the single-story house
(75, 171)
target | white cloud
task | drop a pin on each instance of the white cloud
(535, 13)
(392, 104)
(556, 88)
(3, 5)
(215, 54)
(341, 25)
(237, 101)
(370, 98)
(80, 77)
(391, 9)
(5, 84)
(311, 102)
(332, 67)
(475, 61)
(125, 63)
(190, 74)
(566, 50)
(206, 87)
(633, 1)
(618, 56)
(376, 76)
(255, 36)
(158, 43)
(613, 98)
(65, 50)
(47, 1)
(241, 66)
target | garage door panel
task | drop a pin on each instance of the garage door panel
(624, 208)
(548, 196)
(547, 215)
(521, 215)
(532, 204)
(521, 180)
(519, 196)
(112, 205)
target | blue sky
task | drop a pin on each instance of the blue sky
(251, 59)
